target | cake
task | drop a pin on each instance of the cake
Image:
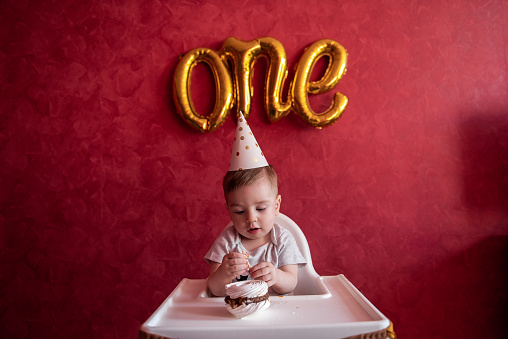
(244, 298)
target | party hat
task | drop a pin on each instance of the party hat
(246, 152)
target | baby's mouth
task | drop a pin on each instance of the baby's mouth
(253, 230)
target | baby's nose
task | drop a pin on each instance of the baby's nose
(251, 217)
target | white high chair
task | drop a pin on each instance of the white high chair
(323, 307)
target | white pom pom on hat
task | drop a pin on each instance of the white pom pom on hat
(246, 153)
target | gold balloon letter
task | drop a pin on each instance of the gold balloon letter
(223, 89)
(243, 55)
(277, 73)
(301, 84)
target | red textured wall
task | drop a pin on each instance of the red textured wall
(108, 199)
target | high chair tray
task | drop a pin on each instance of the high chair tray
(342, 313)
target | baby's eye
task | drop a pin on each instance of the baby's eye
(239, 212)
(261, 208)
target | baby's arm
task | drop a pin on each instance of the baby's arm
(233, 265)
(283, 280)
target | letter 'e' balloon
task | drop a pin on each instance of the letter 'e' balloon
(302, 85)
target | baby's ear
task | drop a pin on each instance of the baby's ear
(277, 204)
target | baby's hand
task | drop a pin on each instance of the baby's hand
(234, 265)
(266, 272)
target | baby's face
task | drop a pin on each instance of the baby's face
(253, 209)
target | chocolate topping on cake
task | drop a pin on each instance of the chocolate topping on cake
(242, 300)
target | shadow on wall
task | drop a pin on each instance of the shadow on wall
(485, 156)
(470, 291)
(477, 280)
(464, 296)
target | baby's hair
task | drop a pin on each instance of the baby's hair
(234, 180)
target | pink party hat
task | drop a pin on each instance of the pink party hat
(246, 152)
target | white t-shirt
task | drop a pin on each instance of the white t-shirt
(281, 250)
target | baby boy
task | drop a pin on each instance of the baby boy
(252, 200)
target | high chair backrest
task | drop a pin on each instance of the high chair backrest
(306, 275)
